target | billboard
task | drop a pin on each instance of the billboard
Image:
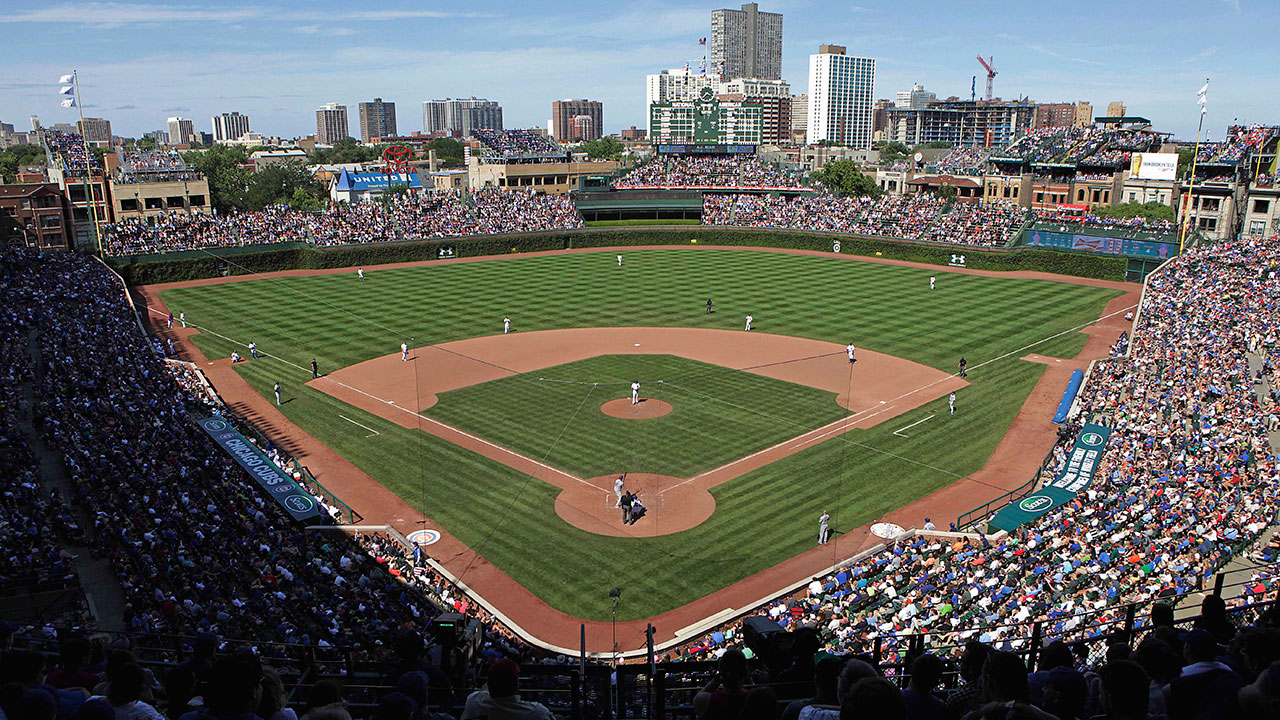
(1102, 244)
(1153, 166)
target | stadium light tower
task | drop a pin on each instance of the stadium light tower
(989, 64)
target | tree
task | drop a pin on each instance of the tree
(893, 151)
(1185, 155)
(222, 165)
(280, 184)
(346, 150)
(448, 150)
(12, 158)
(843, 178)
(305, 201)
(1146, 211)
(947, 192)
(605, 148)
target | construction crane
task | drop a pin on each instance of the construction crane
(989, 64)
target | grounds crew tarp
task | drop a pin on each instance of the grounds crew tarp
(276, 482)
(1076, 475)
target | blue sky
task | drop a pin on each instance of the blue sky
(141, 62)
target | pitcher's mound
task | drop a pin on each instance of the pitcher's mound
(646, 409)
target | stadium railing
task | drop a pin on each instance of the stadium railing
(971, 518)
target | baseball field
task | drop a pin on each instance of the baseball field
(509, 443)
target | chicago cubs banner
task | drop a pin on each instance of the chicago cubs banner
(292, 497)
(1076, 475)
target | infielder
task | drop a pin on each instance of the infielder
(506, 325)
(360, 272)
(253, 349)
(851, 350)
(277, 390)
(404, 352)
(932, 281)
(635, 392)
(824, 528)
(951, 402)
(182, 317)
(749, 320)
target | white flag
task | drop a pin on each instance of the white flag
(69, 102)
(66, 90)
(65, 79)
(1204, 90)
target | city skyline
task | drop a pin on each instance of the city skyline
(279, 64)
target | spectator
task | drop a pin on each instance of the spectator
(1206, 689)
(921, 704)
(1124, 691)
(500, 701)
(125, 696)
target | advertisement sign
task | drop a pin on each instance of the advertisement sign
(1076, 475)
(1101, 244)
(276, 482)
(1153, 166)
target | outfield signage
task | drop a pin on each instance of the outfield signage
(1077, 473)
(1153, 166)
(276, 482)
(1100, 244)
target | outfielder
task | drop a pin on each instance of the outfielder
(635, 392)
(506, 325)
(404, 352)
(360, 272)
(750, 318)
(851, 350)
(932, 281)
(619, 261)
(277, 390)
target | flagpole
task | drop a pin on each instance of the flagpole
(88, 168)
(1191, 190)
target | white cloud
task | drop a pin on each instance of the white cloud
(1202, 55)
(112, 14)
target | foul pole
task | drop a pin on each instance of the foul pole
(88, 169)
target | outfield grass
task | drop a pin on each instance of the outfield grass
(708, 425)
(762, 517)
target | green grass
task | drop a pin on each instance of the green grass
(708, 425)
(643, 223)
(762, 517)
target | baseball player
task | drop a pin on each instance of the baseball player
(951, 402)
(619, 261)
(404, 352)
(635, 392)
(170, 342)
(618, 486)
(932, 281)
(360, 272)
(851, 350)
(928, 525)
(277, 391)
(170, 325)
(182, 317)
(750, 318)
(708, 306)
(964, 366)
(315, 369)
(824, 527)
(253, 349)
(506, 325)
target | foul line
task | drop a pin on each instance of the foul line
(353, 422)
(898, 432)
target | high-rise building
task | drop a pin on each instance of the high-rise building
(331, 124)
(746, 43)
(1055, 115)
(377, 120)
(800, 114)
(564, 125)
(1084, 113)
(96, 131)
(460, 116)
(229, 126)
(963, 123)
(915, 98)
(181, 131)
(1116, 108)
(774, 98)
(841, 88)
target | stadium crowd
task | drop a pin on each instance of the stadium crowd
(517, 142)
(964, 161)
(69, 150)
(915, 217)
(1188, 482)
(1102, 222)
(707, 172)
(405, 217)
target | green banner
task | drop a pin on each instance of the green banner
(276, 482)
(1076, 475)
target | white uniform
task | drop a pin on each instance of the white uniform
(749, 319)
(506, 325)
(183, 317)
(404, 352)
(951, 402)
(932, 280)
(617, 490)
(253, 350)
(824, 528)
(360, 272)
(277, 389)
(851, 350)
(619, 261)
(635, 392)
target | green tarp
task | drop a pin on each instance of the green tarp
(1076, 475)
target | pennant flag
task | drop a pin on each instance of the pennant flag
(65, 79)
(69, 103)
(702, 41)
(66, 90)
(1202, 97)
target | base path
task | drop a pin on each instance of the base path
(1015, 459)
